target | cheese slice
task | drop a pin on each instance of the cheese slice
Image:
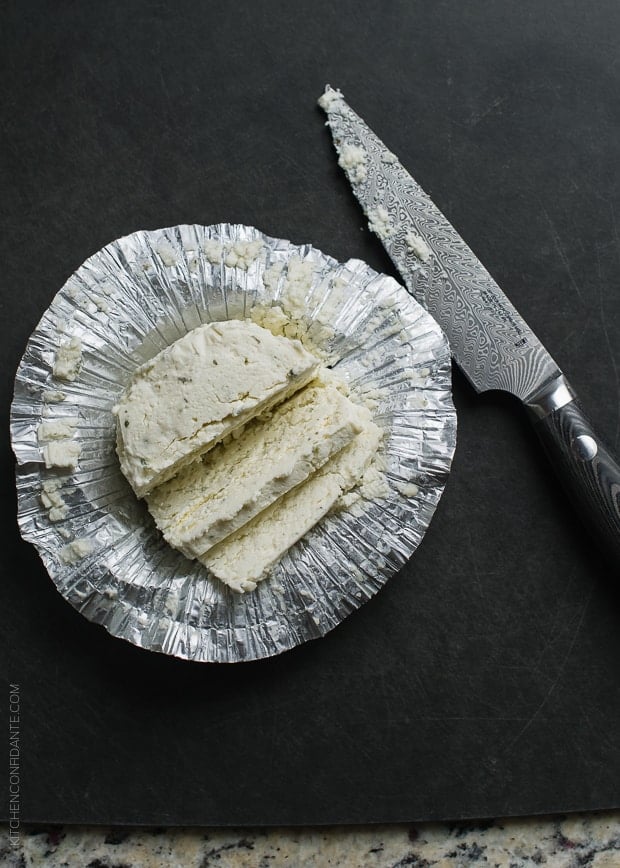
(200, 389)
(214, 496)
(243, 558)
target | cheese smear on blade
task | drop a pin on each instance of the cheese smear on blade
(199, 390)
(215, 496)
(243, 558)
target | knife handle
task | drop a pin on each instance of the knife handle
(585, 466)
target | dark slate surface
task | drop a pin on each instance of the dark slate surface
(483, 680)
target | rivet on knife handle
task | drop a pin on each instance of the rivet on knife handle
(490, 341)
(586, 468)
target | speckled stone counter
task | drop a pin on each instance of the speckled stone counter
(591, 840)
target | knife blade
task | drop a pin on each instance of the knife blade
(489, 340)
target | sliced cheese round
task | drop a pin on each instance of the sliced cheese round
(214, 496)
(199, 390)
(244, 557)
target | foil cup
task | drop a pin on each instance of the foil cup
(126, 303)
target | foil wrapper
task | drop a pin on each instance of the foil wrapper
(125, 304)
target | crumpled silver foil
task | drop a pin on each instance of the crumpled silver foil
(129, 301)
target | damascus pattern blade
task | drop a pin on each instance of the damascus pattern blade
(489, 340)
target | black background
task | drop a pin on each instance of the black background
(483, 680)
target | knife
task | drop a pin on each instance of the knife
(489, 340)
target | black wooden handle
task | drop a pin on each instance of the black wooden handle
(587, 469)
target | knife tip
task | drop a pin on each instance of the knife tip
(330, 98)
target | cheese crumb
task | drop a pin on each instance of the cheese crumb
(418, 246)
(213, 251)
(167, 254)
(272, 318)
(379, 222)
(101, 304)
(52, 499)
(68, 360)
(75, 551)
(52, 396)
(330, 99)
(408, 489)
(62, 453)
(352, 158)
(299, 275)
(242, 254)
(271, 278)
(58, 429)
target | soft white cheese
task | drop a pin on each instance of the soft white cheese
(330, 99)
(167, 253)
(237, 254)
(54, 396)
(68, 359)
(243, 558)
(242, 254)
(213, 497)
(101, 304)
(213, 251)
(271, 279)
(272, 318)
(52, 499)
(289, 317)
(62, 453)
(57, 429)
(418, 246)
(379, 222)
(75, 551)
(408, 489)
(299, 276)
(352, 159)
(198, 391)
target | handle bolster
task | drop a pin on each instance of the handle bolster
(553, 395)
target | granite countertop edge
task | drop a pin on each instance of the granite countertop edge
(563, 841)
